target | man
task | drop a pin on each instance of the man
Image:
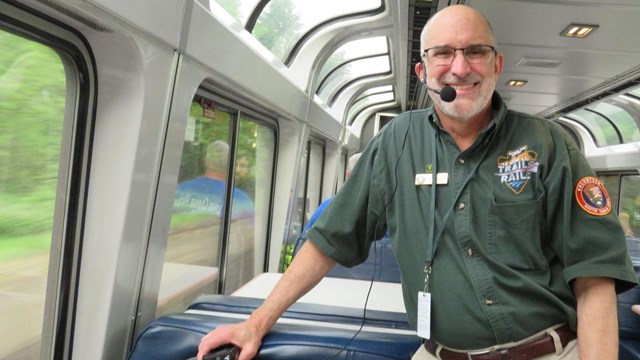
(205, 194)
(491, 238)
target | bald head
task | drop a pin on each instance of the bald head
(452, 20)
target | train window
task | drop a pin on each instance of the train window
(314, 179)
(349, 71)
(604, 131)
(614, 120)
(205, 198)
(196, 227)
(342, 171)
(284, 22)
(253, 175)
(622, 120)
(33, 90)
(377, 95)
(352, 50)
(630, 214)
(308, 197)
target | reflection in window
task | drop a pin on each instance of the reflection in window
(350, 71)
(253, 175)
(33, 90)
(191, 265)
(194, 249)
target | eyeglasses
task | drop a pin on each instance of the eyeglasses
(474, 54)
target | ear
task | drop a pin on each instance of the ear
(420, 71)
(499, 63)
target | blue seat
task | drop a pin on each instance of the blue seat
(176, 337)
(303, 311)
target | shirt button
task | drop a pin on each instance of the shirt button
(461, 161)
(470, 252)
(488, 302)
(461, 206)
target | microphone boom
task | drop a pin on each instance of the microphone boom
(447, 93)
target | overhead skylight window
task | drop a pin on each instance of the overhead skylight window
(377, 95)
(354, 49)
(283, 22)
(351, 71)
(613, 120)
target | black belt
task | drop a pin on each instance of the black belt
(533, 349)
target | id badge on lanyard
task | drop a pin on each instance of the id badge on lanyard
(424, 297)
(424, 314)
(424, 306)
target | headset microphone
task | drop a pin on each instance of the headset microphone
(447, 93)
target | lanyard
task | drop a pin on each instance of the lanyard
(434, 237)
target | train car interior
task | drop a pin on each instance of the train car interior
(160, 159)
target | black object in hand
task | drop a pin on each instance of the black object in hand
(226, 352)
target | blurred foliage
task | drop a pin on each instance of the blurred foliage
(32, 103)
(278, 27)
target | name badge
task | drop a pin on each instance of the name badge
(424, 314)
(427, 179)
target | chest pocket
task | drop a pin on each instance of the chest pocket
(515, 234)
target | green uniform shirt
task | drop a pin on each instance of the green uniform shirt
(522, 228)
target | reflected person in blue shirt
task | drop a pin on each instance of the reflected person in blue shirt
(206, 194)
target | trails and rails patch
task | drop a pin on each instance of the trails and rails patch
(592, 196)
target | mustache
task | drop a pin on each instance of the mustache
(453, 79)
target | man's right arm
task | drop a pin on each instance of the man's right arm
(307, 269)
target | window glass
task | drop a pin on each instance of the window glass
(604, 132)
(192, 259)
(239, 9)
(630, 214)
(307, 199)
(314, 179)
(284, 22)
(353, 70)
(32, 107)
(298, 219)
(355, 49)
(252, 195)
(622, 123)
(342, 170)
(364, 102)
(611, 182)
(194, 250)
(621, 118)
(635, 92)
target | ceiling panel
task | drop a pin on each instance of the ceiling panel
(531, 29)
